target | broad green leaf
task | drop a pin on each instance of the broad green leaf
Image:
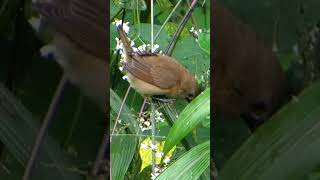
(113, 9)
(18, 130)
(190, 165)
(123, 148)
(204, 42)
(189, 118)
(285, 147)
(164, 4)
(131, 4)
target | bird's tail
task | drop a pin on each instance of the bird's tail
(125, 41)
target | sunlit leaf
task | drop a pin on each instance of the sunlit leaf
(189, 118)
(190, 165)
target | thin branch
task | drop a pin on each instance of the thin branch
(103, 150)
(176, 35)
(168, 18)
(153, 133)
(45, 125)
(118, 116)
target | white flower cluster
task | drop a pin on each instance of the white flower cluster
(195, 32)
(145, 120)
(119, 45)
(147, 145)
(159, 169)
(125, 25)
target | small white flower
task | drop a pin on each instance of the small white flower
(153, 147)
(125, 77)
(159, 154)
(144, 146)
(157, 169)
(122, 58)
(156, 47)
(166, 160)
(126, 27)
(200, 30)
(142, 47)
(154, 176)
(121, 68)
(147, 123)
(135, 49)
(192, 29)
(119, 45)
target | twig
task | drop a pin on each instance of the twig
(103, 150)
(153, 109)
(173, 41)
(118, 116)
(152, 23)
(74, 120)
(166, 21)
(153, 133)
(214, 170)
(45, 125)
(142, 107)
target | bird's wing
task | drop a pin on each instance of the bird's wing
(84, 22)
(153, 69)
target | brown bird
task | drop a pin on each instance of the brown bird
(80, 38)
(156, 74)
(247, 78)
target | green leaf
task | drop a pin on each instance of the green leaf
(131, 4)
(164, 4)
(123, 148)
(113, 9)
(285, 147)
(189, 118)
(18, 130)
(191, 165)
(204, 42)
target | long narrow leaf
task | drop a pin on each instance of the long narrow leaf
(191, 165)
(122, 151)
(123, 146)
(18, 129)
(286, 147)
(189, 118)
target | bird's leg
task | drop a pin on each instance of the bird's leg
(142, 107)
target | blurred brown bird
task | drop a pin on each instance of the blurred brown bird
(80, 38)
(247, 78)
(156, 74)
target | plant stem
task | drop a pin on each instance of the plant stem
(153, 134)
(176, 35)
(44, 127)
(118, 116)
(152, 26)
(168, 18)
